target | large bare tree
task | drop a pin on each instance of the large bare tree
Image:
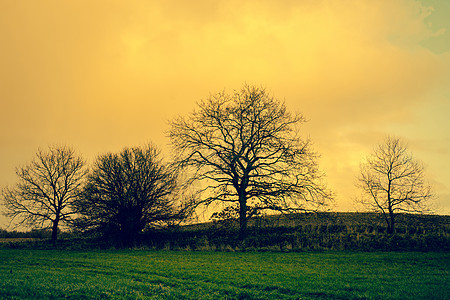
(393, 181)
(127, 191)
(46, 188)
(245, 150)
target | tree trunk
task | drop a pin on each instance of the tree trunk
(55, 230)
(242, 216)
(391, 222)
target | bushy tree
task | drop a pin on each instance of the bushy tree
(246, 150)
(393, 181)
(127, 191)
(46, 188)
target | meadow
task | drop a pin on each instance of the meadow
(143, 274)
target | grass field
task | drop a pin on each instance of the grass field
(114, 274)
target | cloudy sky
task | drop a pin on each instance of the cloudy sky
(102, 75)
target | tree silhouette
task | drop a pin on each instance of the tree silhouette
(46, 188)
(127, 191)
(392, 181)
(245, 149)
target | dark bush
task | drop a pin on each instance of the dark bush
(355, 232)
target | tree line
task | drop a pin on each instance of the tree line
(242, 150)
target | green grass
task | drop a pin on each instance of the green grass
(55, 274)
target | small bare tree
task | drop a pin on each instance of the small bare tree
(392, 181)
(246, 150)
(46, 188)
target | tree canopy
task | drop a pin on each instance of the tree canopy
(246, 150)
(126, 192)
(46, 188)
(392, 181)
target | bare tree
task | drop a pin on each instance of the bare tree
(127, 191)
(392, 181)
(46, 188)
(245, 149)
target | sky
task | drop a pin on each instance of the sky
(103, 75)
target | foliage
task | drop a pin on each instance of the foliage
(392, 181)
(116, 274)
(127, 192)
(313, 232)
(246, 151)
(300, 232)
(46, 189)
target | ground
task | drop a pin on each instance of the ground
(142, 274)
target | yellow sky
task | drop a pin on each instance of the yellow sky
(102, 75)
